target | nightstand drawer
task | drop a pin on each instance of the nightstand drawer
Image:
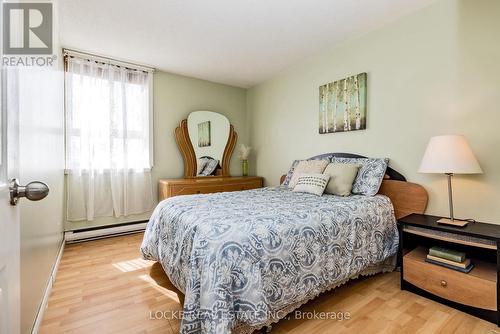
(477, 288)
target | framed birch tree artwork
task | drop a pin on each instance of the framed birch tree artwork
(342, 105)
(204, 134)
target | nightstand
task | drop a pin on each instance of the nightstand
(476, 292)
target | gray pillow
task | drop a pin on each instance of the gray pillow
(342, 177)
(370, 174)
(290, 172)
(200, 165)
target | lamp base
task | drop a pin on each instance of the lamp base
(454, 222)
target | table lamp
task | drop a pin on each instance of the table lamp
(449, 154)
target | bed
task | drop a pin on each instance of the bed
(246, 259)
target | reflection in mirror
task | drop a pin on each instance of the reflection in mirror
(209, 134)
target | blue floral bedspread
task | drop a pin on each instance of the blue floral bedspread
(243, 257)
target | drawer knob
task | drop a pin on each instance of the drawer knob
(444, 284)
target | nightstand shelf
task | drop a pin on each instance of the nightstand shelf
(476, 292)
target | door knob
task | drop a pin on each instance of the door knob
(34, 191)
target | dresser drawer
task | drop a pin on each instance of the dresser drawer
(242, 186)
(205, 185)
(477, 288)
(191, 190)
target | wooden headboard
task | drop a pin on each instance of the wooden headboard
(406, 197)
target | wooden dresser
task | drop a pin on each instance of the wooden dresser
(205, 185)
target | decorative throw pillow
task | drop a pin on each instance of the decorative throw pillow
(309, 167)
(210, 167)
(289, 175)
(200, 165)
(342, 177)
(370, 174)
(311, 183)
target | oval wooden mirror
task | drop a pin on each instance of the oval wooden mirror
(206, 140)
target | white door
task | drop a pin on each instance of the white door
(9, 214)
(10, 229)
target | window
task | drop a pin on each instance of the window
(107, 116)
(108, 145)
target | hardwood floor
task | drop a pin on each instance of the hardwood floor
(104, 286)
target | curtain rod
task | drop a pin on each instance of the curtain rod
(107, 60)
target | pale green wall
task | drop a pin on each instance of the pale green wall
(434, 72)
(41, 158)
(175, 97)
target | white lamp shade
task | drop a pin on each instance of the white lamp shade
(449, 154)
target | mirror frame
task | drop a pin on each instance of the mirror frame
(187, 151)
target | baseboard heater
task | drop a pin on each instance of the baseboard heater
(100, 232)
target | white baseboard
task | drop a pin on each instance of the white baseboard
(104, 232)
(48, 289)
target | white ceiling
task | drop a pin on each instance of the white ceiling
(236, 42)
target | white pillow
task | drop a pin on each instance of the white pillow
(312, 183)
(307, 167)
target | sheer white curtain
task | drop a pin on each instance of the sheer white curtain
(108, 158)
